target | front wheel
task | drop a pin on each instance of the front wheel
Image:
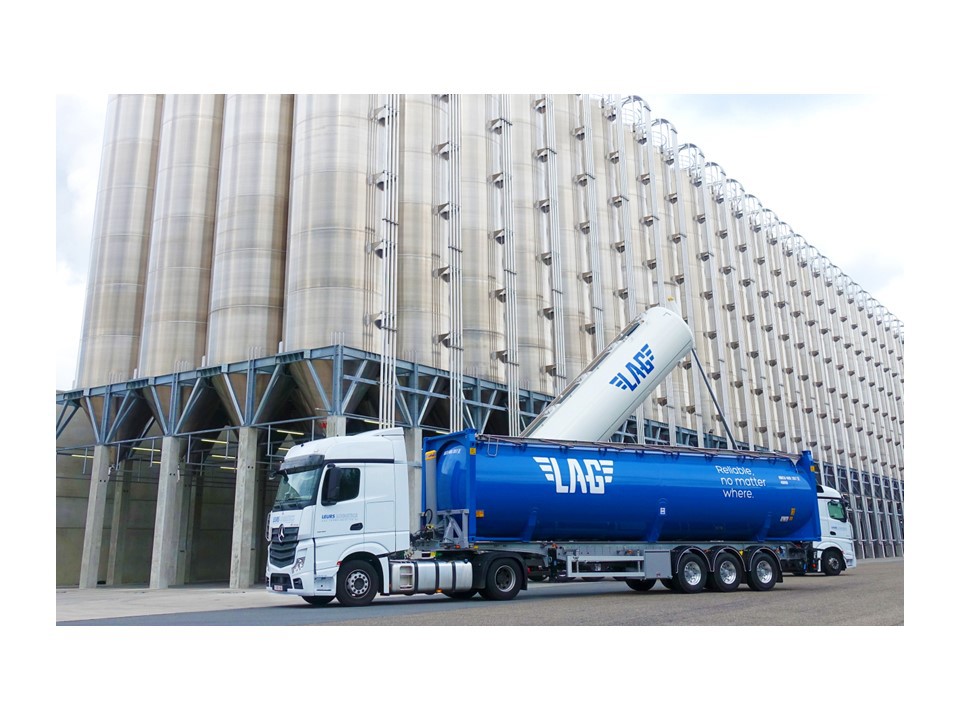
(503, 580)
(831, 563)
(459, 594)
(356, 583)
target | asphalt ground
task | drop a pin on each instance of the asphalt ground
(810, 600)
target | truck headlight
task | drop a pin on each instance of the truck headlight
(298, 564)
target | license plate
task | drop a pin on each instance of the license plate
(279, 588)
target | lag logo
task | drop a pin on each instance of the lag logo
(587, 476)
(641, 366)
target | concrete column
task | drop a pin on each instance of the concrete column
(336, 426)
(243, 555)
(413, 439)
(188, 524)
(118, 526)
(166, 532)
(96, 510)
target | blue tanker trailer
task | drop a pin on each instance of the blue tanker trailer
(690, 518)
(510, 490)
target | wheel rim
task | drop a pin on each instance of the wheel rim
(692, 573)
(833, 562)
(728, 572)
(505, 578)
(764, 572)
(358, 583)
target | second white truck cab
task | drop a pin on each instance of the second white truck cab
(835, 551)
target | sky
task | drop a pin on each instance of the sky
(814, 160)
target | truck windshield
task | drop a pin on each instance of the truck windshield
(297, 488)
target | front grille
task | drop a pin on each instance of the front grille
(282, 551)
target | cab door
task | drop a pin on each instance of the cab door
(340, 512)
(379, 492)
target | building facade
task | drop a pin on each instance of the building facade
(271, 268)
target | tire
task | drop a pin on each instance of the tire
(503, 580)
(667, 583)
(691, 575)
(357, 583)
(318, 601)
(459, 594)
(727, 573)
(641, 585)
(831, 563)
(763, 574)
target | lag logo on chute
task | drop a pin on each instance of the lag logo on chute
(636, 370)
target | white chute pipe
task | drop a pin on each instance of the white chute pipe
(615, 384)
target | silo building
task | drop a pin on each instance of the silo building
(267, 269)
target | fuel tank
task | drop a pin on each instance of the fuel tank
(532, 490)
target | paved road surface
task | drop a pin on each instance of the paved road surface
(870, 595)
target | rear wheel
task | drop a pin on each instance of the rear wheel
(641, 585)
(503, 580)
(763, 574)
(727, 574)
(356, 583)
(691, 576)
(831, 563)
(459, 594)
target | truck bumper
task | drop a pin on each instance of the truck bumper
(282, 582)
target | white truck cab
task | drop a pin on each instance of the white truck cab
(835, 551)
(340, 500)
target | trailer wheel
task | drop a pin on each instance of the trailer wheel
(319, 600)
(641, 585)
(726, 575)
(831, 563)
(503, 580)
(691, 576)
(356, 583)
(763, 574)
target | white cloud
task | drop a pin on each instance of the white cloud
(68, 320)
(80, 125)
(79, 130)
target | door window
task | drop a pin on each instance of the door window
(340, 484)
